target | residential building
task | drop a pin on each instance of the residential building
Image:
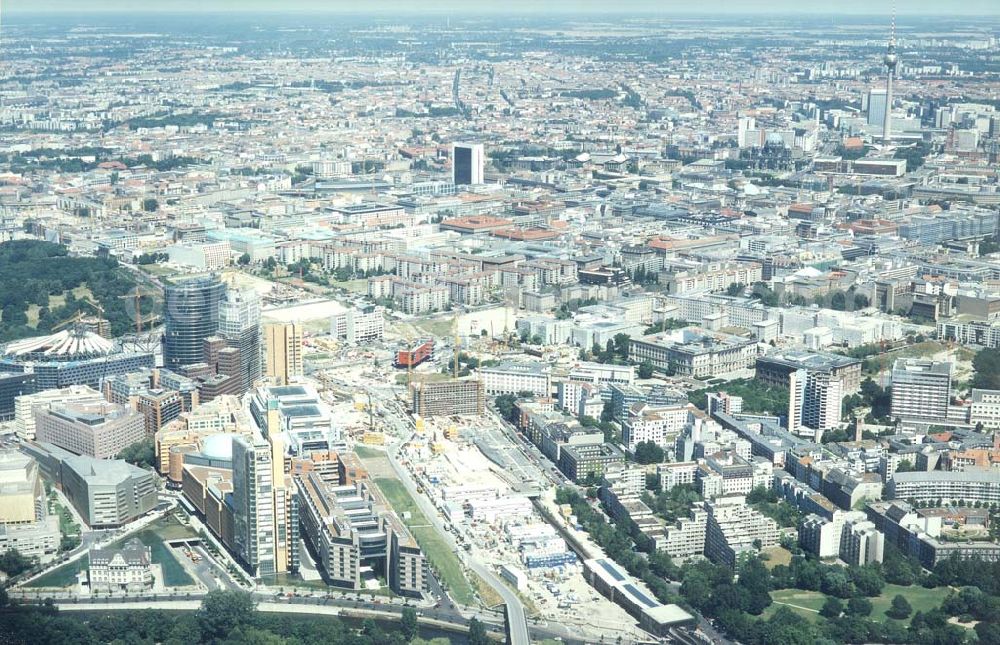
(358, 326)
(814, 402)
(921, 390)
(735, 528)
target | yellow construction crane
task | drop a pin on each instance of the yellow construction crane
(136, 296)
(79, 315)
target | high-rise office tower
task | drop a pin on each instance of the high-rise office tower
(921, 390)
(467, 163)
(239, 324)
(191, 314)
(814, 402)
(265, 519)
(876, 107)
(890, 60)
(283, 351)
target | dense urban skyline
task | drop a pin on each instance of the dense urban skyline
(565, 322)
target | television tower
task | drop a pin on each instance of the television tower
(890, 61)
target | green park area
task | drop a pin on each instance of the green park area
(440, 554)
(808, 603)
(153, 536)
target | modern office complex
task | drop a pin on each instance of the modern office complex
(99, 430)
(282, 351)
(351, 528)
(265, 522)
(25, 524)
(468, 160)
(24, 406)
(298, 414)
(239, 325)
(514, 378)
(12, 386)
(107, 493)
(191, 314)
(921, 390)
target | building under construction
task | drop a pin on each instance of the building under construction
(447, 398)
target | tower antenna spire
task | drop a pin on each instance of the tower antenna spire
(891, 61)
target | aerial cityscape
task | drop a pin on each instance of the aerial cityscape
(528, 324)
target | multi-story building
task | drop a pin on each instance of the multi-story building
(776, 369)
(677, 473)
(468, 160)
(191, 314)
(128, 568)
(921, 390)
(513, 378)
(734, 528)
(970, 331)
(686, 537)
(350, 527)
(694, 352)
(13, 386)
(984, 408)
(661, 425)
(107, 493)
(24, 406)
(951, 487)
(578, 461)
(299, 414)
(814, 402)
(100, 430)
(265, 517)
(283, 351)
(239, 325)
(358, 326)
(861, 543)
(447, 398)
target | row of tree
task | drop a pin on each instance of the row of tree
(225, 617)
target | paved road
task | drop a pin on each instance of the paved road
(516, 619)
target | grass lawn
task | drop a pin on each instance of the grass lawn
(369, 453)
(801, 602)
(925, 349)
(920, 599)
(435, 326)
(158, 270)
(437, 550)
(353, 286)
(777, 555)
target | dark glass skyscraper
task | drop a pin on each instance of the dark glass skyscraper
(191, 316)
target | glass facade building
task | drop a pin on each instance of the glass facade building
(191, 315)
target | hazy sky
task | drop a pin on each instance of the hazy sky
(964, 7)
